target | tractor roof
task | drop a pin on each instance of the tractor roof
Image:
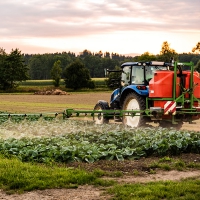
(142, 63)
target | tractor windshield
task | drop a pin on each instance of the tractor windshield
(137, 76)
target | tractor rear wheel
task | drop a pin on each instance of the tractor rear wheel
(99, 118)
(134, 102)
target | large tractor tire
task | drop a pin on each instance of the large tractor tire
(99, 118)
(134, 102)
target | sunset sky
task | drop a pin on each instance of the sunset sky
(119, 26)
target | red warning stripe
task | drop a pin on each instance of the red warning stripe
(170, 106)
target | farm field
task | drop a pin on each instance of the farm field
(47, 103)
(134, 171)
(58, 103)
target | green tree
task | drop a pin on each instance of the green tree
(12, 69)
(40, 66)
(77, 76)
(64, 58)
(107, 55)
(94, 64)
(2, 58)
(166, 53)
(85, 53)
(99, 54)
(189, 57)
(197, 48)
(146, 57)
(56, 73)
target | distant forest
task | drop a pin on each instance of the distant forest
(40, 65)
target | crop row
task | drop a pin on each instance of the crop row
(94, 145)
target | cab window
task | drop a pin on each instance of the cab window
(125, 77)
(137, 76)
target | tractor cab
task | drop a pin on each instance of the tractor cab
(140, 73)
(135, 77)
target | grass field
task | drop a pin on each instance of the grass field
(50, 82)
(46, 103)
(36, 85)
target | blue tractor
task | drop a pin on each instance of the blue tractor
(153, 92)
(131, 93)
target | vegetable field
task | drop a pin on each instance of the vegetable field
(72, 140)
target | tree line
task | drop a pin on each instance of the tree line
(55, 65)
(40, 65)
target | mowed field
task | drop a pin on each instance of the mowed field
(25, 104)
(50, 103)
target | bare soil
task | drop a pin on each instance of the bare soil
(38, 103)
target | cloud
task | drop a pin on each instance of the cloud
(49, 25)
(61, 18)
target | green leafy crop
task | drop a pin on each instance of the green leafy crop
(67, 141)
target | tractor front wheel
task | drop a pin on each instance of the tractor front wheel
(134, 102)
(99, 118)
